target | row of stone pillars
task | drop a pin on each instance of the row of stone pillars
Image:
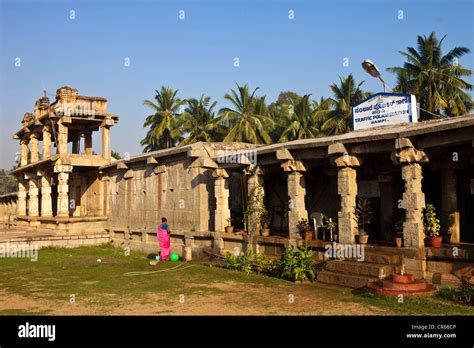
(62, 141)
(30, 188)
(255, 181)
(405, 154)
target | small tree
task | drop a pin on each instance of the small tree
(431, 222)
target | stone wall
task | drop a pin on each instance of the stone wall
(138, 197)
(7, 209)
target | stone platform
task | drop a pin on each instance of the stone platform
(16, 238)
(405, 285)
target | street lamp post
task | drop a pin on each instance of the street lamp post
(373, 71)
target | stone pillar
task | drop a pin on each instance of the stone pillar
(414, 203)
(33, 196)
(218, 243)
(106, 153)
(34, 153)
(63, 171)
(46, 142)
(88, 142)
(23, 152)
(413, 197)
(296, 193)
(256, 194)
(63, 198)
(188, 248)
(76, 144)
(449, 208)
(200, 173)
(221, 193)
(62, 138)
(46, 201)
(347, 189)
(21, 200)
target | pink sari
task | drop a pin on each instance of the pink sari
(164, 240)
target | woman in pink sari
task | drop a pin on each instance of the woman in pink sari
(163, 234)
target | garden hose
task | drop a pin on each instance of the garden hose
(175, 268)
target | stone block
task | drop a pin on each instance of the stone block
(337, 149)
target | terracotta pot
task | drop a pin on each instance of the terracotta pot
(308, 235)
(265, 232)
(436, 241)
(229, 229)
(362, 238)
(398, 241)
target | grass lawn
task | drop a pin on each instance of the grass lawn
(49, 286)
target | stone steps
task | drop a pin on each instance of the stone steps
(362, 268)
(356, 274)
(448, 266)
(347, 280)
(379, 258)
(447, 272)
(447, 278)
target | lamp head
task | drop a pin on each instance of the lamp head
(371, 68)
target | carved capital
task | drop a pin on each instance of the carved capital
(346, 161)
(220, 173)
(294, 166)
(253, 170)
(406, 153)
(159, 169)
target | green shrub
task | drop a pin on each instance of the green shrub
(466, 292)
(262, 263)
(297, 263)
(447, 292)
(241, 263)
(231, 261)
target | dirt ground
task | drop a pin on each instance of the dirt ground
(299, 300)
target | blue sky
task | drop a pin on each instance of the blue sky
(196, 55)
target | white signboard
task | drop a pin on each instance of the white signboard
(384, 109)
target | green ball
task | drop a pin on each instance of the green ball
(174, 257)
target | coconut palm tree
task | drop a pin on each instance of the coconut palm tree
(346, 94)
(280, 112)
(198, 122)
(322, 111)
(164, 131)
(244, 123)
(435, 79)
(302, 122)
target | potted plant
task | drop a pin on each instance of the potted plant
(363, 217)
(305, 229)
(432, 226)
(362, 237)
(229, 228)
(331, 227)
(265, 221)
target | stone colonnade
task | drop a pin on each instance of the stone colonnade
(31, 185)
(405, 155)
